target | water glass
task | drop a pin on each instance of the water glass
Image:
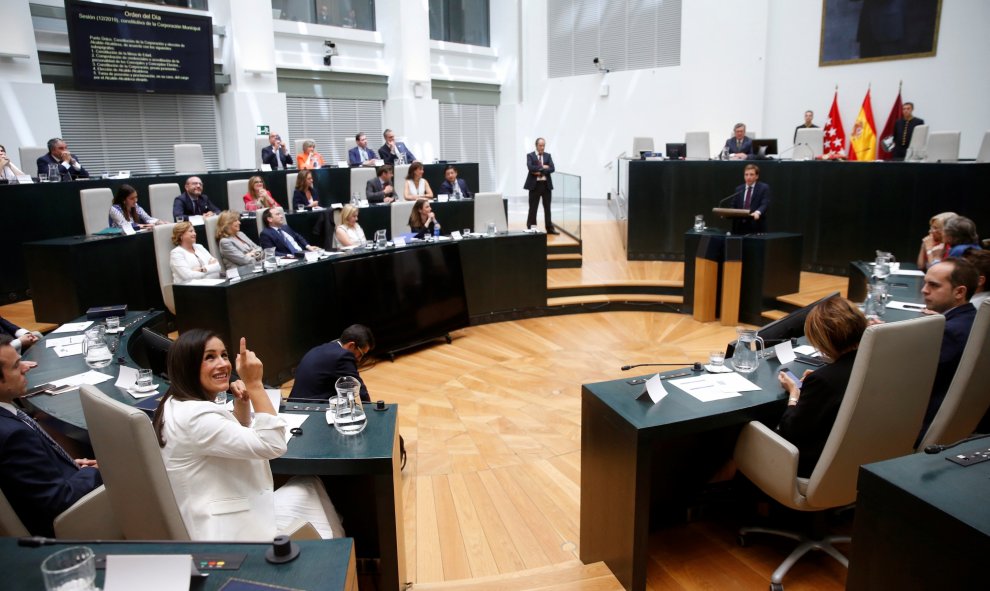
(113, 323)
(54, 175)
(699, 223)
(43, 177)
(466, 232)
(270, 262)
(491, 229)
(72, 569)
(716, 358)
(381, 238)
(144, 379)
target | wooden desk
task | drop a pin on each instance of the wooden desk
(325, 564)
(641, 464)
(922, 522)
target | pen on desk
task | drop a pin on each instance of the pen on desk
(913, 306)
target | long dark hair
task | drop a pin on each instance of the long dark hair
(123, 192)
(184, 361)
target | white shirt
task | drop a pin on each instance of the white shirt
(419, 189)
(185, 264)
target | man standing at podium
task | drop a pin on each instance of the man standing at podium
(754, 197)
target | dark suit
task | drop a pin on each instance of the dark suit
(447, 189)
(319, 370)
(9, 328)
(374, 190)
(903, 130)
(808, 423)
(389, 158)
(271, 238)
(275, 159)
(299, 198)
(958, 322)
(539, 190)
(38, 482)
(67, 175)
(746, 147)
(760, 202)
(354, 156)
(185, 205)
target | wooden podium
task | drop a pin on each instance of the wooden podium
(730, 212)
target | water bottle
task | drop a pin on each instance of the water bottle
(355, 199)
(457, 190)
(725, 153)
(436, 231)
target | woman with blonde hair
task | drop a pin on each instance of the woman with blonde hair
(258, 196)
(309, 158)
(349, 232)
(188, 259)
(236, 249)
(933, 244)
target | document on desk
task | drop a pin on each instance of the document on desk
(91, 377)
(73, 327)
(709, 387)
(206, 282)
(784, 352)
(148, 572)
(909, 272)
(69, 350)
(63, 341)
(654, 387)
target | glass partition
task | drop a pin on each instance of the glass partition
(350, 14)
(566, 203)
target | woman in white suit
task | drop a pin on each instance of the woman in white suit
(188, 259)
(217, 460)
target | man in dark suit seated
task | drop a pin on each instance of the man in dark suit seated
(453, 185)
(21, 338)
(38, 477)
(361, 154)
(391, 149)
(739, 146)
(380, 189)
(276, 154)
(753, 196)
(278, 235)
(949, 285)
(193, 201)
(58, 155)
(324, 364)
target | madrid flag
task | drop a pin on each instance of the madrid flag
(863, 140)
(834, 143)
(888, 129)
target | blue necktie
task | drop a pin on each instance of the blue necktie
(55, 446)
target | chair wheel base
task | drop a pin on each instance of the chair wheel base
(776, 587)
(742, 541)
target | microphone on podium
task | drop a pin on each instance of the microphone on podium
(696, 366)
(723, 200)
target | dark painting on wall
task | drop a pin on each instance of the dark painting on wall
(872, 30)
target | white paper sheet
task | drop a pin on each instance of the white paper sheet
(206, 282)
(654, 387)
(73, 327)
(910, 272)
(126, 378)
(69, 350)
(806, 350)
(785, 354)
(157, 572)
(196, 220)
(293, 421)
(91, 377)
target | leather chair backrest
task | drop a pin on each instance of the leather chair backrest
(883, 406)
(984, 154)
(29, 158)
(641, 144)
(943, 146)
(188, 158)
(163, 251)
(968, 397)
(698, 145)
(162, 196)
(236, 190)
(290, 188)
(359, 179)
(132, 468)
(488, 207)
(399, 217)
(260, 142)
(10, 524)
(95, 208)
(210, 224)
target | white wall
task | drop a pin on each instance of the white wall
(755, 62)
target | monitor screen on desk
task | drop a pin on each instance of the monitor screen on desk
(763, 148)
(676, 151)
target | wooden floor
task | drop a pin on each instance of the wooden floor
(492, 427)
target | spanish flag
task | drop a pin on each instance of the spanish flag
(863, 139)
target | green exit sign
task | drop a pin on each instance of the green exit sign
(263, 130)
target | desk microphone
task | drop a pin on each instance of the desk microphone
(695, 367)
(936, 449)
(729, 197)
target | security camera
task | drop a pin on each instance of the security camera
(600, 66)
(595, 61)
(331, 50)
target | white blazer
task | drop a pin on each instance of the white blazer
(219, 470)
(184, 263)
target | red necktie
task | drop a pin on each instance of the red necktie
(749, 196)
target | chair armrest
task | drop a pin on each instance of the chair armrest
(91, 517)
(769, 460)
(301, 530)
